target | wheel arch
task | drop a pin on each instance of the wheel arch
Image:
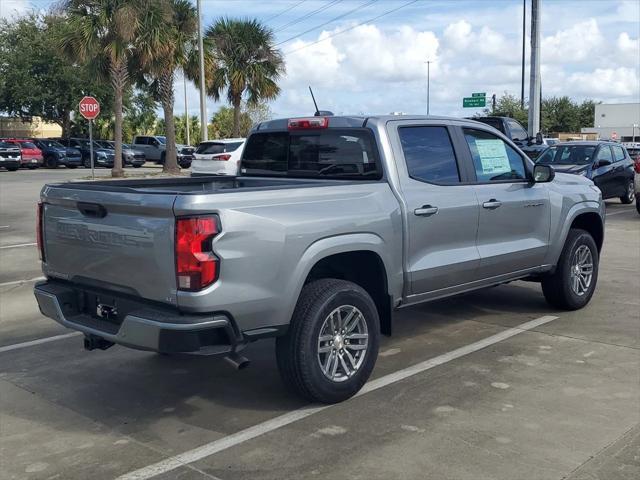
(358, 258)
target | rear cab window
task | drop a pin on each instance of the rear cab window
(348, 153)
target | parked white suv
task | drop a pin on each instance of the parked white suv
(221, 157)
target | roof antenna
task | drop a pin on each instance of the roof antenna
(319, 113)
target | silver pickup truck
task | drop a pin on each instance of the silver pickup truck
(334, 223)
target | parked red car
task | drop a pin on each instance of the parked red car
(31, 155)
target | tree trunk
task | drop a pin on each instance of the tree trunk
(119, 76)
(236, 115)
(66, 124)
(165, 82)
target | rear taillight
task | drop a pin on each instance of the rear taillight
(39, 227)
(308, 123)
(224, 157)
(196, 265)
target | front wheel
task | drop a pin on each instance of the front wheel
(628, 197)
(332, 344)
(572, 284)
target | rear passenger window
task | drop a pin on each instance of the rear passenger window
(429, 154)
(618, 153)
(493, 159)
(141, 141)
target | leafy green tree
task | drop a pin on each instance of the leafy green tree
(102, 32)
(508, 106)
(166, 35)
(222, 122)
(36, 79)
(195, 134)
(140, 117)
(242, 61)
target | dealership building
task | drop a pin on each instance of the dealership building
(616, 121)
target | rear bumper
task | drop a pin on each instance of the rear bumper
(144, 328)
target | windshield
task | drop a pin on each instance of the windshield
(27, 145)
(162, 140)
(346, 153)
(7, 145)
(51, 144)
(567, 155)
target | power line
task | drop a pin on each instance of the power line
(283, 11)
(388, 12)
(307, 15)
(366, 4)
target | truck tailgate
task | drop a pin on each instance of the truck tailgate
(121, 241)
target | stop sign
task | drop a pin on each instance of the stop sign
(89, 108)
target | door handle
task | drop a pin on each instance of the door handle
(425, 211)
(492, 204)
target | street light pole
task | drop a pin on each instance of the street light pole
(203, 94)
(534, 80)
(524, 35)
(428, 83)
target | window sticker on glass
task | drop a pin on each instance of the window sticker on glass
(493, 156)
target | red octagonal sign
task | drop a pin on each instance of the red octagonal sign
(89, 108)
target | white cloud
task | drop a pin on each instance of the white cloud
(611, 82)
(628, 48)
(13, 8)
(580, 42)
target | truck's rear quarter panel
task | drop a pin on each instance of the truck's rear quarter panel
(271, 239)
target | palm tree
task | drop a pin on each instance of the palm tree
(101, 32)
(245, 62)
(166, 36)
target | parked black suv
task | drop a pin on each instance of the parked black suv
(102, 157)
(56, 154)
(606, 163)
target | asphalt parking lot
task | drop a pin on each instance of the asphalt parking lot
(491, 385)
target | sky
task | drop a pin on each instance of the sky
(370, 56)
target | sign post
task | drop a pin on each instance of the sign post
(89, 109)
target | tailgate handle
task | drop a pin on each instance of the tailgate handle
(92, 209)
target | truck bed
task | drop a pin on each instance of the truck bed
(196, 185)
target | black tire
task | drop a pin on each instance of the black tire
(71, 166)
(51, 162)
(557, 287)
(137, 165)
(638, 204)
(13, 169)
(87, 163)
(630, 195)
(163, 157)
(297, 351)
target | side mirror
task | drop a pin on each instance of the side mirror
(539, 139)
(602, 163)
(543, 173)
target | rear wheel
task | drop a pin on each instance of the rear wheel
(13, 169)
(332, 344)
(572, 284)
(51, 162)
(629, 196)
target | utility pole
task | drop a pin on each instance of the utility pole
(428, 83)
(203, 94)
(534, 79)
(186, 107)
(524, 36)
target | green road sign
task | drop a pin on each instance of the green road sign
(481, 94)
(474, 102)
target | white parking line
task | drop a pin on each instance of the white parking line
(40, 341)
(18, 245)
(20, 282)
(618, 212)
(242, 436)
(4, 226)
